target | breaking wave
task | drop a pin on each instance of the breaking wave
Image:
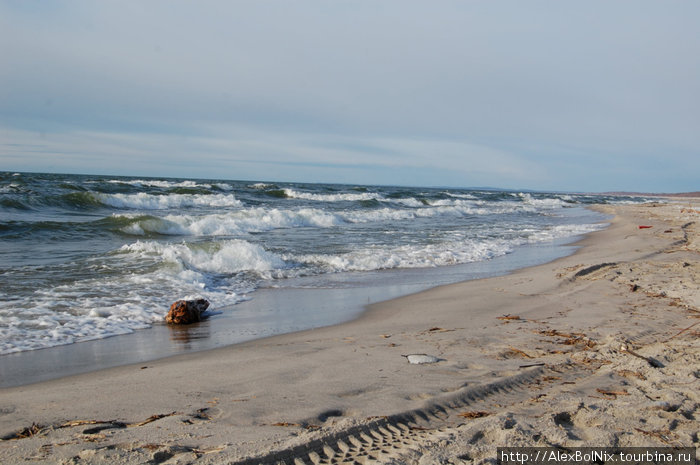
(143, 201)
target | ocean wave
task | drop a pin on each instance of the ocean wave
(44, 325)
(196, 261)
(14, 203)
(236, 256)
(222, 186)
(260, 219)
(87, 200)
(563, 231)
(164, 184)
(264, 219)
(143, 225)
(543, 203)
(262, 185)
(131, 289)
(461, 196)
(23, 229)
(143, 201)
(226, 224)
(11, 188)
(79, 200)
(408, 256)
(110, 303)
(450, 252)
(410, 202)
(367, 198)
(340, 197)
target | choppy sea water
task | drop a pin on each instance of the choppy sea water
(88, 257)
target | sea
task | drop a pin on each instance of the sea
(88, 257)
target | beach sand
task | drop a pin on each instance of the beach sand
(599, 348)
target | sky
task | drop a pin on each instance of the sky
(577, 96)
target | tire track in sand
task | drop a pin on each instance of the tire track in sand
(386, 438)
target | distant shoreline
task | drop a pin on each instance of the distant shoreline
(678, 195)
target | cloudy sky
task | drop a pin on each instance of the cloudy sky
(548, 95)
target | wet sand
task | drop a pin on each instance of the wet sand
(599, 348)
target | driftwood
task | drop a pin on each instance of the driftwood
(613, 393)
(682, 331)
(541, 364)
(478, 414)
(184, 312)
(631, 374)
(508, 317)
(437, 329)
(520, 352)
(27, 432)
(570, 338)
(651, 361)
(36, 429)
(664, 435)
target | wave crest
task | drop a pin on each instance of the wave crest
(226, 257)
(143, 201)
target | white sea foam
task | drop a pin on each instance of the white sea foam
(233, 256)
(223, 186)
(546, 203)
(116, 304)
(143, 201)
(385, 214)
(563, 231)
(353, 197)
(461, 196)
(463, 250)
(226, 257)
(345, 197)
(261, 219)
(408, 202)
(159, 183)
(235, 223)
(95, 309)
(9, 189)
(409, 256)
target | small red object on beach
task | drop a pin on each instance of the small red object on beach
(645, 227)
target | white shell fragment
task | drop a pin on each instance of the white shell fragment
(418, 359)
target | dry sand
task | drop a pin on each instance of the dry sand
(596, 349)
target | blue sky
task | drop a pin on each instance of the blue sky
(572, 96)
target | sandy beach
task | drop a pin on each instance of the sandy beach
(599, 348)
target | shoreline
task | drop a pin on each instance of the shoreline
(530, 358)
(243, 322)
